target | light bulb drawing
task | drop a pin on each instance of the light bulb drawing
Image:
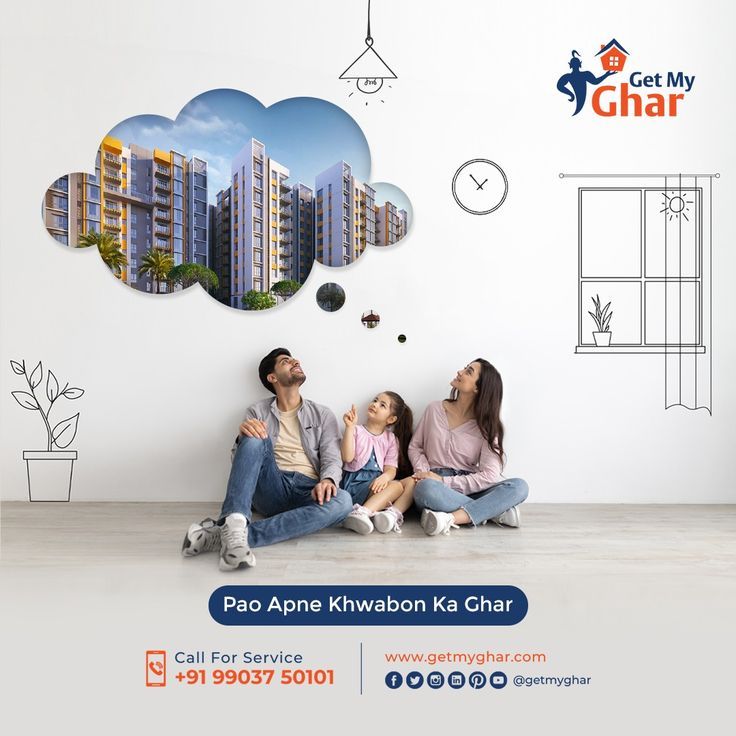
(369, 70)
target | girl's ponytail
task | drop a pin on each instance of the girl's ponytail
(402, 429)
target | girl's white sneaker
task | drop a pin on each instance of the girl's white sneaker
(388, 520)
(359, 520)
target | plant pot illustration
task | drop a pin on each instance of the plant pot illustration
(49, 474)
(50, 470)
(602, 319)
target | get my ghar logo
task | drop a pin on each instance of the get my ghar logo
(631, 98)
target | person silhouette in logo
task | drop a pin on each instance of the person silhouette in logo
(578, 82)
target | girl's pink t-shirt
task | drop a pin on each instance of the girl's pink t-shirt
(385, 445)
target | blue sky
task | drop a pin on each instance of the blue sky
(305, 134)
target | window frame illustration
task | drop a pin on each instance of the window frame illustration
(646, 280)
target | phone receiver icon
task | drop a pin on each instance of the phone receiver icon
(157, 668)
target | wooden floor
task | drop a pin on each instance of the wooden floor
(554, 539)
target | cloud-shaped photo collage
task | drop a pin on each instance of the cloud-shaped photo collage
(231, 197)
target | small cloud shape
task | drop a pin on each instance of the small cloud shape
(235, 197)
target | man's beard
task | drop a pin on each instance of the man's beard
(293, 379)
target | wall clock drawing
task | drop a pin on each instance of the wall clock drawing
(480, 186)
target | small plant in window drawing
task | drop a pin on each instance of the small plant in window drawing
(602, 319)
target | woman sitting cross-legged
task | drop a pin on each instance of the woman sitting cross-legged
(457, 455)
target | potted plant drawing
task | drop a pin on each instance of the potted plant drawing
(49, 470)
(602, 319)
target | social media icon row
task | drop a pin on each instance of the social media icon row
(455, 680)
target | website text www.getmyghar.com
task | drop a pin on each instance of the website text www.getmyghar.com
(472, 658)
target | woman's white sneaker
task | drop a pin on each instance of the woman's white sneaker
(388, 520)
(234, 551)
(512, 517)
(438, 522)
(359, 520)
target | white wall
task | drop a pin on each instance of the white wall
(168, 378)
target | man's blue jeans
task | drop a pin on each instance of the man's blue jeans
(285, 498)
(486, 504)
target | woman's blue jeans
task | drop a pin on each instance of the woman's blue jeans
(285, 498)
(481, 506)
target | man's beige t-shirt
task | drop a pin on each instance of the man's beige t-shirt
(288, 450)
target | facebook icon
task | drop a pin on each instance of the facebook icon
(394, 680)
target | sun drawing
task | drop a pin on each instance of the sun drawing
(675, 205)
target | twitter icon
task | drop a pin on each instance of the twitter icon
(414, 680)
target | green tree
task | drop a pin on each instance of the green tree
(156, 263)
(187, 274)
(258, 300)
(330, 297)
(286, 288)
(109, 248)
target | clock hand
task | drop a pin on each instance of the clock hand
(480, 186)
(476, 181)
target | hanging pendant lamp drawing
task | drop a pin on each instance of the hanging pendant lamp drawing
(369, 70)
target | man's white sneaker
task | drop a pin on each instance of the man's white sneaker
(512, 517)
(423, 518)
(202, 537)
(438, 522)
(359, 520)
(235, 552)
(388, 520)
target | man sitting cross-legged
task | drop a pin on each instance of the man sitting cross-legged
(286, 466)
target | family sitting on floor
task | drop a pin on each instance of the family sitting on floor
(291, 466)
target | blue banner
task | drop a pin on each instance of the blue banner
(368, 605)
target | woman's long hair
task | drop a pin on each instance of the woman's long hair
(402, 428)
(487, 406)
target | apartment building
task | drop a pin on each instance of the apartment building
(345, 216)
(391, 224)
(144, 198)
(221, 244)
(302, 198)
(261, 225)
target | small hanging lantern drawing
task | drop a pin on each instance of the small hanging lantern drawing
(369, 69)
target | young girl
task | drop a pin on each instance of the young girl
(372, 453)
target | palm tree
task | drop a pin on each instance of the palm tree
(156, 263)
(109, 247)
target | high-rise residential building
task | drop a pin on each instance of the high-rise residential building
(391, 224)
(56, 210)
(262, 245)
(302, 208)
(145, 199)
(221, 244)
(345, 216)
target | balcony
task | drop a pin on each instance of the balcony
(133, 194)
(162, 230)
(162, 170)
(112, 207)
(284, 226)
(162, 186)
(283, 185)
(165, 201)
(285, 211)
(162, 215)
(112, 159)
(285, 198)
(112, 227)
(113, 176)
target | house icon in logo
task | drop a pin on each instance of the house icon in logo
(613, 56)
